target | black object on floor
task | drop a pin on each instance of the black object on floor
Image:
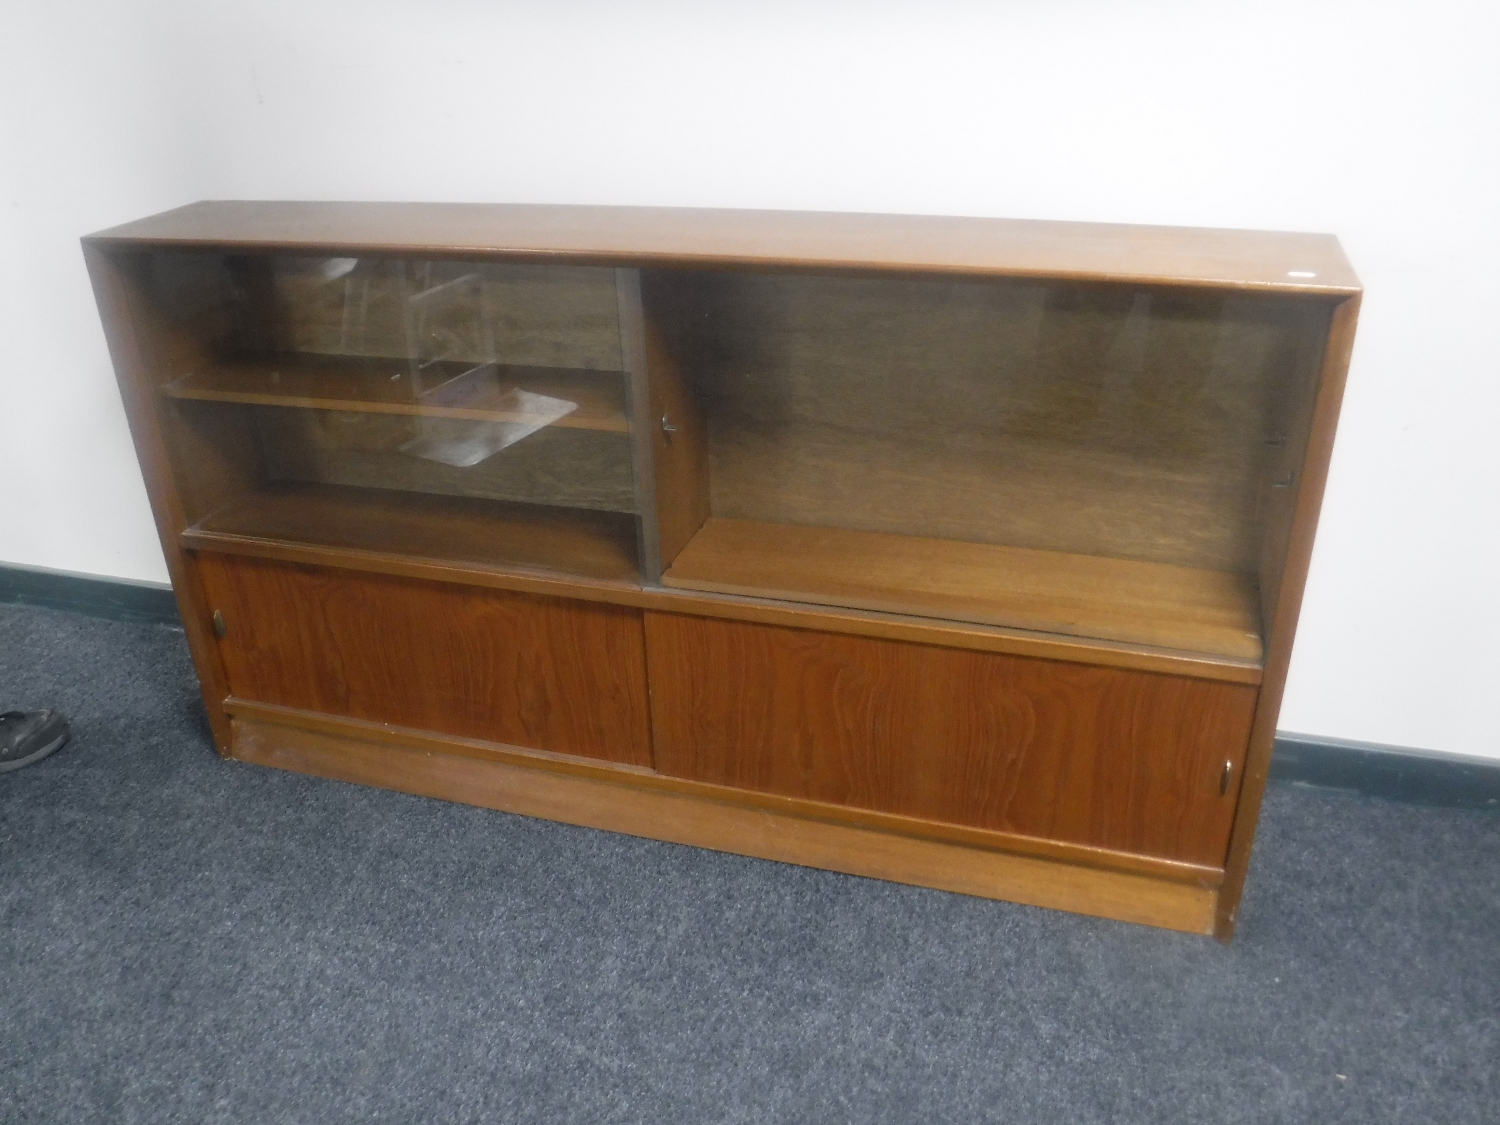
(186, 939)
(26, 737)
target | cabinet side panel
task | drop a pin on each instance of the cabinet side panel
(1290, 575)
(118, 289)
(544, 673)
(1101, 756)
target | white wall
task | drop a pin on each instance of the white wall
(1376, 121)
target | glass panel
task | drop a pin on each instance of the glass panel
(468, 411)
(1089, 460)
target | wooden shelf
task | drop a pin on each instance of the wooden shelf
(1201, 611)
(383, 386)
(489, 533)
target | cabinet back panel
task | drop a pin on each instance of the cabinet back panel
(1092, 420)
(1130, 761)
(527, 316)
(542, 673)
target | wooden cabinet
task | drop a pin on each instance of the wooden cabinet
(961, 552)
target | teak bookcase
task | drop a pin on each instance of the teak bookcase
(960, 552)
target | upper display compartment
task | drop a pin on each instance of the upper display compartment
(1061, 428)
(1104, 461)
(457, 411)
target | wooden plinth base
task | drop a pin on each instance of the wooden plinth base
(641, 803)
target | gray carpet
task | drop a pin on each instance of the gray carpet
(185, 939)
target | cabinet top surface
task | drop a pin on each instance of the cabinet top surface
(1310, 264)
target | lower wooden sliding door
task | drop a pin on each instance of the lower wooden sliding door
(542, 673)
(1109, 758)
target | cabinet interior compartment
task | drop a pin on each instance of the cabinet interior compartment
(1097, 460)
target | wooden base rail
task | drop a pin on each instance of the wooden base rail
(638, 802)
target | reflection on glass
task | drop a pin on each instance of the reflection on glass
(461, 442)
(288, 378)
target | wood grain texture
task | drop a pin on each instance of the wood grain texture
(1090, 420)
(484, 533)
(1102, 757)
(552, 674)
(1312, 476)
(661, 236)
(1080, 595)
(622, 806)
(955, 634)
(351, 383)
